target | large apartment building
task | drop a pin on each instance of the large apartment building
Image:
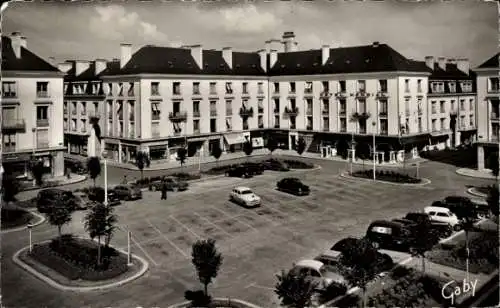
(158, 99)
(488, 110)
(32, 109)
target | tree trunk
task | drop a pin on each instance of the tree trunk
(94, 182)
(99, 250)
(206, 289)
(142, 174)
(364, 297)
(423, 264)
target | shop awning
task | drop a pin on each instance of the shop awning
(235, 138)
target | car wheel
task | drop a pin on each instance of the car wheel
(376, 245)
(482, 215)
(456, 227)
(153, 188)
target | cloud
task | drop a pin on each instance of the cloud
(115, 23)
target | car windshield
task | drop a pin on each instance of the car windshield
(246, 192)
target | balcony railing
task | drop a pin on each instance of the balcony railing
(382, 114)
(341, 94)
(155, 134)
(177, 132)
(342, 113)
(196, 114)
(326, 128)
(261, 125)
(155, 116)
(325, 111)
(382, 94)
(343, 129)
(213, 113)
(196, 131)
(131, 118)
(246, 112)
(180, 116)
(325, 94)
(407, 113)
(9, 95)
(309, 111)
(362, 94)
(84, 130)
(84, 112)
(73, 112)
(42, 94)
(291, 111)
(276, 110)
(42, 123)
(14, 124)
(384, 132)
(309, 127)
(494, 116)
(276, 125)
(42, 144)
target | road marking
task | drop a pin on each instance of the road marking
(184, 226)
(168, 240)
(143, 250)
(143, 242)
(230, 235)
(223, 212)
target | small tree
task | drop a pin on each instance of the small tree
(248, 148)
(493, 200)
(94, 168)
(494, 165)
(182, 155)
(294, 290)
(467, 215)
(141, 160)
(272, 145)
(216, 152)
(10, 188)
(100, 221)
(301, 146)
(59, 212)
(37, 170)
(424, 238)
(207, 261)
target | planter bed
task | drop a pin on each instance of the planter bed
(27, 186)
(297, 164)
(144, 182)
(13, 218)
(387, 176)
(76, 258)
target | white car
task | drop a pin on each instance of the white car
(244, 196)
(443, 214)
(318, 272)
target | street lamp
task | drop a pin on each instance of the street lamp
(30, 227)
(104, 154)
(374, 150)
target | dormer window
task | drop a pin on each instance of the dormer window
(361, 85)
(130, 89)
(120, 89)
(309, 87)
(176, 90)
(229, 88)
(383, 85)
(213, 88)
(342, 86)
(245, 88)
(155, 88)
(466, 86)
(452, 86)
(196, 88)
(437, 87)
(326, 86)
(292, 87)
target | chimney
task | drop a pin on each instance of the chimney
(375, 44)
(227, 54)
(24, 42)
(273, 58)
(16, 43)
(126, 54)
(275, 45)
(452, 61)
(289, 41)
(429, 61)
(100, 65)
(197, 54)
(81, 66)
(64, 66)
(441, 63)
(325, 53)
(268, 46)
(263, 59)
(463, 65)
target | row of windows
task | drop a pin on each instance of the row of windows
(9, 89)
(445, 123)
(442, 106)
(41, 138)
(450, 86)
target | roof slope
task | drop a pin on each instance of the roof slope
(87, 75)
(28, 61)
(491, 62)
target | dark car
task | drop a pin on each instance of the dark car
(76, 167)
(240, 172)
(345, 243)
(389, 234)
(454, 204)
(97, 194)
(275, 165)
(127, 192)
(443, 229)
(293, 186)
(47, 197)
(255, 168)
(173, 184)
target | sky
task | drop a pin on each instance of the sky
(452, 29)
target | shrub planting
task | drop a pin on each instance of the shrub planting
(12, 218)
(297, 164)
(388, 176)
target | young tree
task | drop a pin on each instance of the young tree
(59, 212)
(94, 167)
(141, 159)
(10, 188)
(248, 148)
(272, 145)
(493, 200)
(301, 146)
(37, 171)
(216, 152)
(207, 261)
(467, 216)
(424, 238)
(293, 290)
(182, 155)
(100, 221)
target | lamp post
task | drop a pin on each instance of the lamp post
(129, 253)
(104, 155)
(374, 150)
(33, 130)
(30, 227)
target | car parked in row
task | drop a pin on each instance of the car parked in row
(480, 208)
(389, 234)
(443, 229)
(244, 196)
(443, 214)
(275, 165)
(240, 172)
(173, 184)
(318, 272)
(97, 194)
(127, 192)
(293, 186)
(82, 200)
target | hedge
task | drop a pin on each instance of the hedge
(388, 176)
(144, 182)
(12, 218)
(297, 164)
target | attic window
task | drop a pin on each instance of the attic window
(347, 61)
(282, 65)
(315, 64)
(237, 65)
(253, 65)
(221, 65)
(367, 60)
(298, 64)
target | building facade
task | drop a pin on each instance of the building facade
(32, 110)
(488, 112)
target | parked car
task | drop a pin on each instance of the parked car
(173, 184)
(443, 229)
(293, 186)
(481, 208)
(244, 196)
(275, 165)
(442, 214)
(255, 168)
(47, 197)
(240, 172)
(77, 167)
(344, 244)
(128, 192)
(389, 234)
(97, 194)
(82, 200)
(318, 272)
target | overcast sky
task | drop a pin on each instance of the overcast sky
(88, 31)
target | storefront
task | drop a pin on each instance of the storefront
(113, 151)
(129, 153)
(158, 152)
(234, 142)
(76, 144)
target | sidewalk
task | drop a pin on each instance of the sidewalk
(483, 174)
(63, 180)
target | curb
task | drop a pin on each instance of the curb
(41, 220)
(84, 178)
(472, 191)
(54, 284)
(424, 181)
(238, 301)
(462, 172)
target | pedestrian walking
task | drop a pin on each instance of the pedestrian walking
(124, 180)
(164, 190)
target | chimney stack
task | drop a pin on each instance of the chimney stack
(227, 54)
(325, 54)
(64, 66)
(263, 59)
(197, 54)
(16, 43)
(125, 54)
(268, 46)
(463, 65)
(441, 63)
(452, 61)
(100, 65)
(275, 44)
(24, 42)
(429, 61)
(289, 41)
(273, 58)
(81, 66)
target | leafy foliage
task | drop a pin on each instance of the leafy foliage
(216, 152)
(424, 238)
(493, 164)
(272, 145)
(10, 188)
(59, 212)
(248, 148)
(301, 146)
(207, 261)
(389, 176)
(182, 155)
(493, 199)
(37, 169)
(94, 167)
(294, 290)
(99, 222)
(332, 291)
(141, 161)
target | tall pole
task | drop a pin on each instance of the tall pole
(352, 149)
(30, 226)
(129, 254)
(374, 152)
(105, 179)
